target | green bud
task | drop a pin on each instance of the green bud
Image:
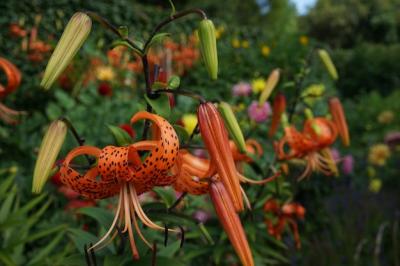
(73, 37)
(208, 47)
(330, 67)
(232, 125)
(48, 152)
(272, 81)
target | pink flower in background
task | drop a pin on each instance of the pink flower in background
(201, 216)
(392, 139)
(241, 89)
(335, 154)
(348, 164)
(259, 113)
(201, 153)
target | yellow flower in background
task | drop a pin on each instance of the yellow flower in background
(219, 31)
(245, 44)
(386, 117)
(105, 73)
(312, 92)
(265, 50)
(375, 185)
(303, 40)
(235, 43)
(258, 85)
(241, 106)
(189, 122)
(378, 154)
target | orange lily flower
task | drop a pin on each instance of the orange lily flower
(122, 172)
(13, 75)
(287, 213)
(339, 119)
(318, 134)
(278, 108)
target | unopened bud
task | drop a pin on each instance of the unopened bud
(208, 47)
(233, 126)
(48, 152)
(273, 79)
(73, 37)
(330, 67)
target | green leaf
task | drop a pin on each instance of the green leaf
(74, 260)
(158, 85)
(183, 135)
(174, 82)
(7, 260)
(5, 185)
(123, 30)
(158, 38)
(126, 44)
(7, 203)
(44, 252)
(102, 216)
(170, 250)
(64, 99)
(114, 260)
(121, 137)
(82, 238)
(147, 260)
(160, 105)
(167, 195)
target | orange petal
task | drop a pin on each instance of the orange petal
(278, 108)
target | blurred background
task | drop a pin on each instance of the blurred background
(352, 219)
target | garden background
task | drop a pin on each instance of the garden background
(352, 219)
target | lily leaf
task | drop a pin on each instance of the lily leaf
(102, 216)
(182, 133)
(126, 44)
(158, 38)
(121, 137)
(160, 105)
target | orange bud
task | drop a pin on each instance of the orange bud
(278, 108)
(230, 222)
(215, 137)
(339, 119)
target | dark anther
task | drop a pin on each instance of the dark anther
(182, 236)
(165, 235)
(89, 255)
(121, 246)
(154, 257)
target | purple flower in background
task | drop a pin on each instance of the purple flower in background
(201, 153)
(259, 113)
(241, 89)
(201, 216)
(392, 139)
(347, 164)
(335, 154)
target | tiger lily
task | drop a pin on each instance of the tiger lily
(123, 173)
(13, 75)
(287, 213)
(318, 134)
(278, 108)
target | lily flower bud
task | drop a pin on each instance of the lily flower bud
(215, 137)
(48, 152)
(278, 108)
(272, 81)
(73, 37)
(339, 119)
(327, 61)
(233, 126)
(230, 222)
(208, 47)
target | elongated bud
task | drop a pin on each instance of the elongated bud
(208, 47)
(215, 137)
(330, 67)
(272, 81)
(230, 222)
(232, 125)
(339, 119)
(73, 37)
(278, 108)
(48, 152)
